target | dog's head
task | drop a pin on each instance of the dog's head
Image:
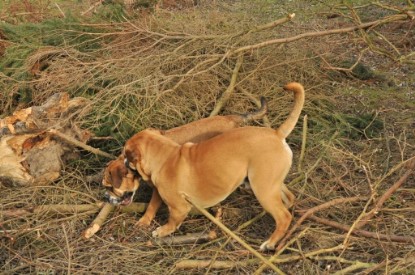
(134, 149)
(120, 183)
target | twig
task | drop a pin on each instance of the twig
(353, 267)
(190, 264)
(68, 248)
(364, 233)
(93, 6)
(303, 145)
(59, 8)
(226, 94)
(272, 24)
(234, 236)
(77, 143)
(313, 210)
(387, 194)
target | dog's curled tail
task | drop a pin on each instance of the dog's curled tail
(258, 114)
(285, 129)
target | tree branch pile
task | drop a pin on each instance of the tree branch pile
(353, 164)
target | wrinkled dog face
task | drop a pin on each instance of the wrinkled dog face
(120, 183)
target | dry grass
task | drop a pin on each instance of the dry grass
(169, 69)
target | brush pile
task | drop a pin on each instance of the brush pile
(354, 153)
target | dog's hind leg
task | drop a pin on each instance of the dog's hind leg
(271, 200)
(287, 196)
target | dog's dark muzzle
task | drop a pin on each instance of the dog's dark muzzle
(126, 199)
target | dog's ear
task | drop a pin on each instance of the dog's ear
(117, 175)
(132, 155)
(162, 132)
(155, 130)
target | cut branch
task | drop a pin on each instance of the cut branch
(51, 208)
(192, 238)
(99, 220)
(364, 233)
(191, 264)
(227, 94)
(396, 17)
(80, 144)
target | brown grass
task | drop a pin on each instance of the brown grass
(171, 68)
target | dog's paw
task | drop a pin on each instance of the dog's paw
(266, 246)
(161, 232)
(156, 233)
(143, 222)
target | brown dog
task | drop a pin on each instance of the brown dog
(121, 183)
(206, 173)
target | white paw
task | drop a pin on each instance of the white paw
(266, 246)
(155, 233)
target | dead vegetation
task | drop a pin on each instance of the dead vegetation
(354, 183)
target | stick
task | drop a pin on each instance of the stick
(388, 19)
(135, 207)
(93, 6)
(108, 208)
(59, 8)
(364, 233)
(234, 236)
(99, 220)
(77, 143)
(190, 264)
(303, 145)
(51, 208)
(192, 238)
(226, 94)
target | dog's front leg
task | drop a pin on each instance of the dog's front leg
(177, 214)
(152, 208)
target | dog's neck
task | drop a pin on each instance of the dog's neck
(157, 148)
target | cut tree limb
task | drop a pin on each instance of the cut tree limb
(191, 238)
(191, 264)
(99, 220)
(80, 144)
(364, 233)
(227, 94)
(51, 208)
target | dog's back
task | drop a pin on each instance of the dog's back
(232, 157)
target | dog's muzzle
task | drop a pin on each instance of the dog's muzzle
(126, 199)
